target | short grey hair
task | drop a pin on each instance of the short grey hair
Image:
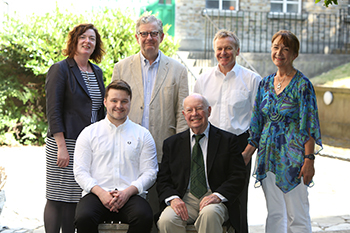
(226, 33)
(145, 19)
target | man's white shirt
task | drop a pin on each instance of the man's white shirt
(231, 97)
(115, 157)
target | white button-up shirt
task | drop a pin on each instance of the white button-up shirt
(149, 74)
(115, 157)
(231, 97)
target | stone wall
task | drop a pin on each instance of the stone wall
(334, 118)
(189, 24)
(191, 28)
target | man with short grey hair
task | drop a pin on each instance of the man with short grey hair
(230, 90)
(159, 84)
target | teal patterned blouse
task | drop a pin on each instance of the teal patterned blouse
(279, 129)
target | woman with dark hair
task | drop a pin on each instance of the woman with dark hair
(74, 99)
(284, 128)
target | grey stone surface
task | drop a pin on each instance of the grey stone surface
(25, 193)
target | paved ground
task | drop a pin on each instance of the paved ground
(25, 191)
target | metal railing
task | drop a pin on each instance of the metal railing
(317, 33)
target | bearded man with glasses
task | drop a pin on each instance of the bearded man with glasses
(159, 85)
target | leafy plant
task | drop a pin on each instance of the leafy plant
(328, 2)
(29, 47)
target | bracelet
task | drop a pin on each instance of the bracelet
(309, 156)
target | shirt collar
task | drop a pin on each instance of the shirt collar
(206, 132)
(145, 62)
(112, 126)
(234, 69)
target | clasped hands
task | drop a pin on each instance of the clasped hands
(180, 208)
(114, 200)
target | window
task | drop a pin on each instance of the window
(286, 6)
(222, 4)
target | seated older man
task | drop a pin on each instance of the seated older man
(201, 175)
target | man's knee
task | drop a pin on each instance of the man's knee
(214, 212)
(139, 213)
(169, 217)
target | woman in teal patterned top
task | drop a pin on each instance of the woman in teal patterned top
(285, 128)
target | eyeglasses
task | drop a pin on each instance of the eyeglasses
(145, 34)
(198, 109)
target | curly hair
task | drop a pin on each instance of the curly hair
(145, 19)
(72, 42)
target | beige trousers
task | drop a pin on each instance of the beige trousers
(209, 220)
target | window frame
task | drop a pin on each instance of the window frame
(284, 6)
(221, 4)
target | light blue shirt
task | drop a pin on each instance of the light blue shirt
(149, 74)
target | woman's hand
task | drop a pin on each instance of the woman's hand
(248, 153)
(62, 153)
(62, 157)
(307, 171)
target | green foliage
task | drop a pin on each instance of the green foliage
(328, 2)
(29, 47)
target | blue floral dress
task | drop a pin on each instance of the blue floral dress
(280, 126)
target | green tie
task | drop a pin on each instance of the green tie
(198, 185)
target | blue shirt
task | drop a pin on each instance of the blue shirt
(149, 74)
(280, 127)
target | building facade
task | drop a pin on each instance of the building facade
(320, 29)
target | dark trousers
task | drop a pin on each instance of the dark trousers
(243, 141)
(90, 212)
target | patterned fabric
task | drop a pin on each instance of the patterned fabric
(198, 185)
(60, 182)
(94, 92)
(279, 129)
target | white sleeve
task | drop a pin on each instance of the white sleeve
(83, 161)
(148, 164)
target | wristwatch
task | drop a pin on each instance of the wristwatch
(309, 156)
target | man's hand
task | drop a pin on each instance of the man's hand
(180, 208)
(307, 171)
(121, 197)
(106, 198)
(207, 200)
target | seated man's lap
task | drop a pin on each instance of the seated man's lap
(90, 208)
(213, 212)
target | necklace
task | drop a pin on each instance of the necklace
(85, 71)
(279, 85)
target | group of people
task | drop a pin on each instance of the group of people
(144, 152)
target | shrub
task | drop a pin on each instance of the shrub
(29, 47)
